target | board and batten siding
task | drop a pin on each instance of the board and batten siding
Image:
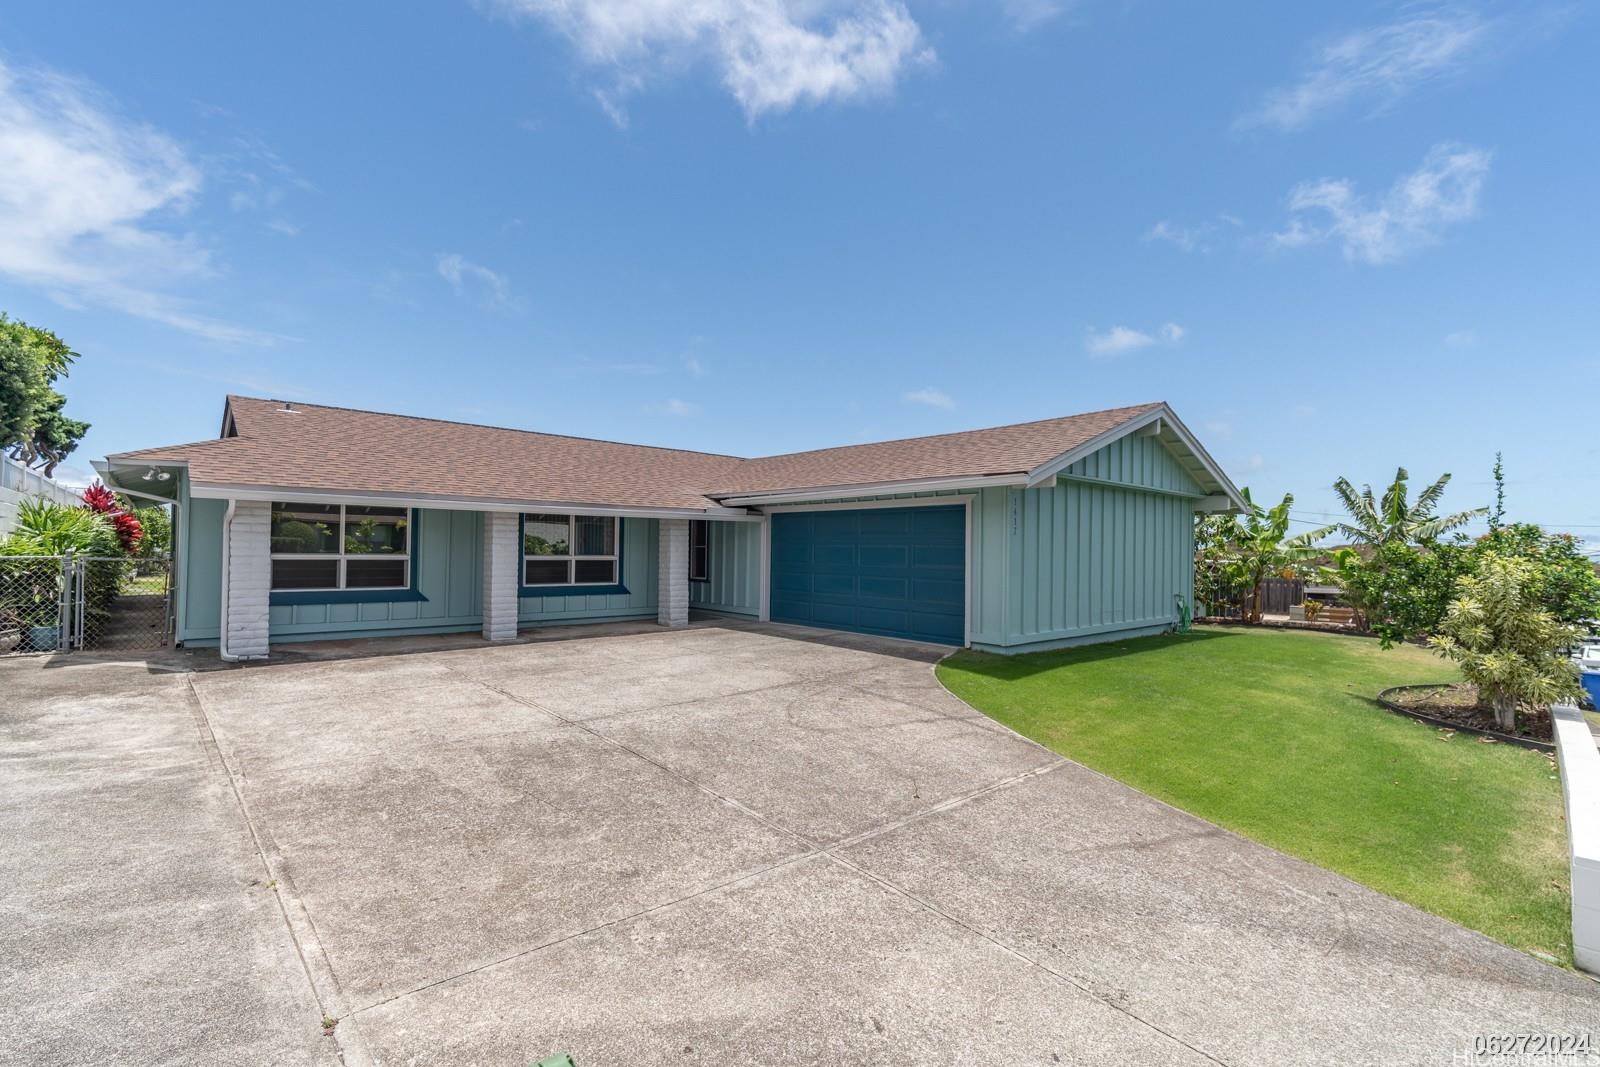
(640, 567)
(733, 570)
(448, 558)
(1097, 555)
(1106, 551)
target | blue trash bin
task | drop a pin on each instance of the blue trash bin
(1590, 668)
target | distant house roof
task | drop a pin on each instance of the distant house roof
(273, 445)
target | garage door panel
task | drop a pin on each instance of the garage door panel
(885, 588)
(885, 555)
(930, 591)
(899, 572)
(834, 585)
(952, 556)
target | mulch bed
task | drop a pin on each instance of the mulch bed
(1455, 707)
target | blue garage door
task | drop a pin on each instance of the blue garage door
(900, 572)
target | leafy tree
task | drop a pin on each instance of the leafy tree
(1214, 537)
(1564, 580)
(1395, 518)
(33, 426)
(156, 522)
(1505, 642)
(1401, 592)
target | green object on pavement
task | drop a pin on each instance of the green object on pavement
(560, 1059)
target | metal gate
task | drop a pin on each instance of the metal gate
(91, 603)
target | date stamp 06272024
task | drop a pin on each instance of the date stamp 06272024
(1530, 1050)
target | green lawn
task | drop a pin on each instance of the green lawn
(1274, 734)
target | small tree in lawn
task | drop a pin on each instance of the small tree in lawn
(1505, 642)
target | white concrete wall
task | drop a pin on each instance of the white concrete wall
(249, 582)
(18, 483)
(672, 608)
(1580, 784)
(501, 582)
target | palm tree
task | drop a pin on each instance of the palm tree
(1394, 520)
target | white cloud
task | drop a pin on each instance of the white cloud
(770, 55)
(694, 366)
(1187, 238)
(1218, 427)
(1461, 338)
(933, 398)
(677, 408)
(1027, 15)
(89, 201)
(1381, 64)
(1442, 192)
(1120, 340)
(463, 274)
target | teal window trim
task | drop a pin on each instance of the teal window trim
(360, 596)
(531, 592)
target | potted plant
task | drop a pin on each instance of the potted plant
(42, 623)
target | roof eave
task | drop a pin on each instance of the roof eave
(851, 492)
(209, 490)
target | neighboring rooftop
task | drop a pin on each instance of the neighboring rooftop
(271, 444)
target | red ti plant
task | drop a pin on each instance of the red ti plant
(129, 531)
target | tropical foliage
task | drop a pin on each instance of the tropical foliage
(102, 501)
(1240, 552)
(33, 425)
(45, 528)
(1505, 642)
(1394, 519)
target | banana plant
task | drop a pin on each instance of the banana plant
(1395, 519)
(1262, 548)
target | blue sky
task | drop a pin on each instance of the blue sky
(1336, 237)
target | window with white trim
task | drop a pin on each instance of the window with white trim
(340, 546)
(569, 550)
(699, 550)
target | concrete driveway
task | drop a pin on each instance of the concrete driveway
(736, 844)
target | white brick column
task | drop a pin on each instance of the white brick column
(672, 607)
(501, 559)
(249, 557)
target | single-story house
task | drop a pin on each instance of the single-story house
(304, 522)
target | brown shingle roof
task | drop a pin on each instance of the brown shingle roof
(1014, 449)
(308, 446)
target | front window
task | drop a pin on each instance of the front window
(340, 546)
(569, 550)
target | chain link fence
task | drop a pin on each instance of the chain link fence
(93, 603)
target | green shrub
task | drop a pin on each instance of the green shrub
(1505, 642)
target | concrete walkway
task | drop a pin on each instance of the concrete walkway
(736, 844)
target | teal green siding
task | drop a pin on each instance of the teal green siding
(200, 557)
(1098, 555)
(734, 570)
(449, 567)
(1140, 461)
(640, 563)
(1102, 553)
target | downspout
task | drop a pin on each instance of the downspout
(222, 615)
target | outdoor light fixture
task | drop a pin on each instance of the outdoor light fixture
(153, 475)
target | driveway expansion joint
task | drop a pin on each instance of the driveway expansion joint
(297, 919)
